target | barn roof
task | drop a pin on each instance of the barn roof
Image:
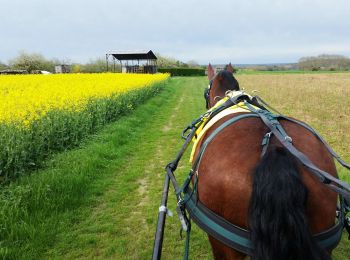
(134, 55)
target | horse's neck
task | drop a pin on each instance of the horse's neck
(222, 91)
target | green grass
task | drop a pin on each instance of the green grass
(101, 200)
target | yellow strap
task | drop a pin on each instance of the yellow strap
(240, 107)
(201, 131)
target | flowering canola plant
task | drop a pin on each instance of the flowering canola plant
(25, 98)
(43, 114)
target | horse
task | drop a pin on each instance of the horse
(273, 196)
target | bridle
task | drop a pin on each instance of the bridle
(208, 89)
(207, 92)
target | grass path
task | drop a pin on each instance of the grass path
(101, 201)
(121, 224)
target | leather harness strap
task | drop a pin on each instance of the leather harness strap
(238, 238)
(330, 181)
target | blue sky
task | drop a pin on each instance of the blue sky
(256, 31)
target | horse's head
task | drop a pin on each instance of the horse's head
(219, 83)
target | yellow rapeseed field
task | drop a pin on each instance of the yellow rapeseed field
(25, 98)
(42, 114)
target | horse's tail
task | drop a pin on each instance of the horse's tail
(278, 223)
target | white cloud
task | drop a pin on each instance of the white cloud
(240, 31)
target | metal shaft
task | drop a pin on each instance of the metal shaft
(158, 241)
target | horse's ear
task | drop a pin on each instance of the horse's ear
(230, 68)
(210, 72)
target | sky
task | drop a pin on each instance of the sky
(241, 32)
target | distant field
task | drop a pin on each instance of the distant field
(101, 201)
(321, 99)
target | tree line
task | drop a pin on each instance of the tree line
(32, 62)
(324, 62)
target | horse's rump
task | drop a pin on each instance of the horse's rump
(225, 174)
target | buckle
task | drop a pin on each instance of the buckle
(266, 138)
(288, 139)
(347, 226)
(184, 135)
(181, 216)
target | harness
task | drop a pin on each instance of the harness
(190, 208)
(207, 94)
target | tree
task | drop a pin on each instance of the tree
(96, 65)
(324, 62)
(76, 68)
(3, 66)
(31, 62)
(193, 64)
(168, 62)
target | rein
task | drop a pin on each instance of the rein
(207, 94)
(189, 207)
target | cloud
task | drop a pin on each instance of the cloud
(240, 31)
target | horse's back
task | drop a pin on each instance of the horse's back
(225, 172)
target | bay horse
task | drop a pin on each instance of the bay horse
(274, 196)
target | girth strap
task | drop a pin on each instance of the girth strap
(238, 238)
